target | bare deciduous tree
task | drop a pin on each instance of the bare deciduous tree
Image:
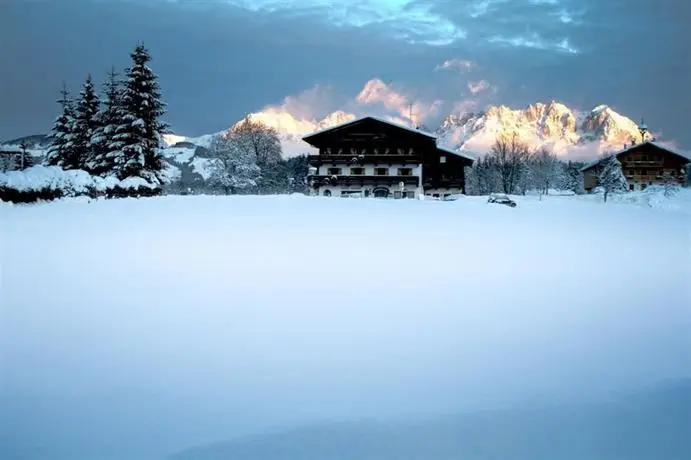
(259, 139)
(511, 156)
(232, 167)
(545, 168)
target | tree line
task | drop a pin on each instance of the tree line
(513, 167)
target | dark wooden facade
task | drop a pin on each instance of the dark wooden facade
(644, 164)
(369, 143)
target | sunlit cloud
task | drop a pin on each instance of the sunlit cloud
(478, 86)
(534, 41)
(461, 64)
(409, 20)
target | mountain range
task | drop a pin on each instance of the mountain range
(565, 131)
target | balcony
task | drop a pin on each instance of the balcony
(369, 179)
(432, 183)
(641, 164)
(318, 160)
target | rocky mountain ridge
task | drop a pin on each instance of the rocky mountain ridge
(553, 125)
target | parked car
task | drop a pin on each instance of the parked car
(500, 198)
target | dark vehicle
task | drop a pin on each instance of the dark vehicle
(501, 199)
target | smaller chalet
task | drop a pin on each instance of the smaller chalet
(372, 157)
(643, 164)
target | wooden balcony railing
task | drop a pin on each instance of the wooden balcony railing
(318, 160)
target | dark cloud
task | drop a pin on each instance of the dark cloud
(220, 60)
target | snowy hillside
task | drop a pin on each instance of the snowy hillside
(185, 320)
(580, 135)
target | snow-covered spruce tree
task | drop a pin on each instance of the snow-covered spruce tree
(62, 150)
(85, 123)
(611, 177)
(572, 177)
(103, 145)
(233, 168)
(138, 134)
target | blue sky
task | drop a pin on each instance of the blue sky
(219, 60)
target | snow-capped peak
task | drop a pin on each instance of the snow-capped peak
(552, 125)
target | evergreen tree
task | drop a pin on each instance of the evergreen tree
(138, 134)
(103, 144)
(86, 122)
(572, 177)
(62, 150)
(611, 177)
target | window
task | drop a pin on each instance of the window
(387, 151)
(399, 151)
(353, 151)
(340, 151)
(405, 171)
(397, 194)
(631, 187)
(363, 152)
(333, 171)
(381, 171)
(410, 194)
(411, 151)
(328, 151)
(442, 159)
(357, 171)
(376, 151)
(327, 192)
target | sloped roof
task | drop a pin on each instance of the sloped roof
(658, 145)
(455, 152)
(360, 120)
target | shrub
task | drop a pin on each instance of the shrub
(46, 183)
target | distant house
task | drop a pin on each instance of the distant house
(9, 157)
(372, 157)
(643, 164)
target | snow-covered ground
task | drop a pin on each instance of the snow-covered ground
(193, 319)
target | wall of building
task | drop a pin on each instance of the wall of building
(336, 190)
(369, 169)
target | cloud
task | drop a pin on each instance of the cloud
(375, 91)
(478, 86)
(309, 104)
(408, 20)
(462, 64)
(534, 41)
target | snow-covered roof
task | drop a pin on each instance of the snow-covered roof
(369, 117)
(653, 143)
(455, 152)
(10, 149)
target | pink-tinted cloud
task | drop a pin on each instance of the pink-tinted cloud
(463, 65)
